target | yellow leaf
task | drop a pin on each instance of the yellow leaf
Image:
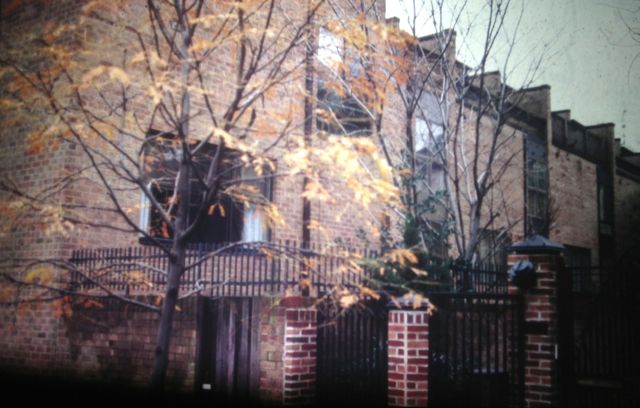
(348, 300)
(40, 275)
(402, 256)
(369, 292)
(417, 300)
(305, 283)
(420, 272)
(219, 206)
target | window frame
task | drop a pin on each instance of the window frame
(336, 114)
(234, 211)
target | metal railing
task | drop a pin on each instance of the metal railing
(251, 269)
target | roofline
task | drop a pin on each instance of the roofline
(598, 125)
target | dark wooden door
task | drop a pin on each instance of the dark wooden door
(229, 349)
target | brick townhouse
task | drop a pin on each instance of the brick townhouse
(566, 181)
(567, 184)
(118, 343)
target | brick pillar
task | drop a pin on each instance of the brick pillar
(288, 354)
(541, 329)
(408, 361)
(300, 346)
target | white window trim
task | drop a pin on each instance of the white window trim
(145, 211)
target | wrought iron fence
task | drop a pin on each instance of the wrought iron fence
(223, 270)
(476, 350)
(479, 278)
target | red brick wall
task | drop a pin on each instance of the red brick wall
(541, 331)
(288, 355)
(408, 361)
(573, 192)
(113, 344)
(300, 356)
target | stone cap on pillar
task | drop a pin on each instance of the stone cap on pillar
(537, 244)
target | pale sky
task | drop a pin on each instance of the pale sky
(587, 55)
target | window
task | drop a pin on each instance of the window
(236, 214)
(428, 137)
(537, 192)
(330, 48)
(493, 248)
(605, 199)
(428, 145)
(579, 262)
(338, 111)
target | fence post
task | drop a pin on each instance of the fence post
(541, 328)
(408, 356)
(288, 353)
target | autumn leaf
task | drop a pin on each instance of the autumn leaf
(165, 230)
(91, 303)
(419, 272)
(305, 283)
(348, 300)
(365, 291)
(417, 300)
(40, 275)
(220, 208)
(63, 307)
(402, 256)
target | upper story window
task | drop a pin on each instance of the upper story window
(429, 137)
(537, 190)
(605, 199)
(428, 146)
(235, 214)
(339, 111)
(330, 49)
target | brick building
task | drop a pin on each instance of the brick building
(561, 179)
(88, 202)
(565, 184)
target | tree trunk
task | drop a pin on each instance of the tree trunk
(179, 246)
(161, 352)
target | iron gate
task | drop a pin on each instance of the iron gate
(602, 320)
(352, 355)
(476, 351)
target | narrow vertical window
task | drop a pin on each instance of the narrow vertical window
(537, 191)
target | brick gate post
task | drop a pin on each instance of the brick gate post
(408, 357)
(541, 310)
(288, 353)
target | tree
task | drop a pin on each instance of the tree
(183, 101)
(462, 146)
